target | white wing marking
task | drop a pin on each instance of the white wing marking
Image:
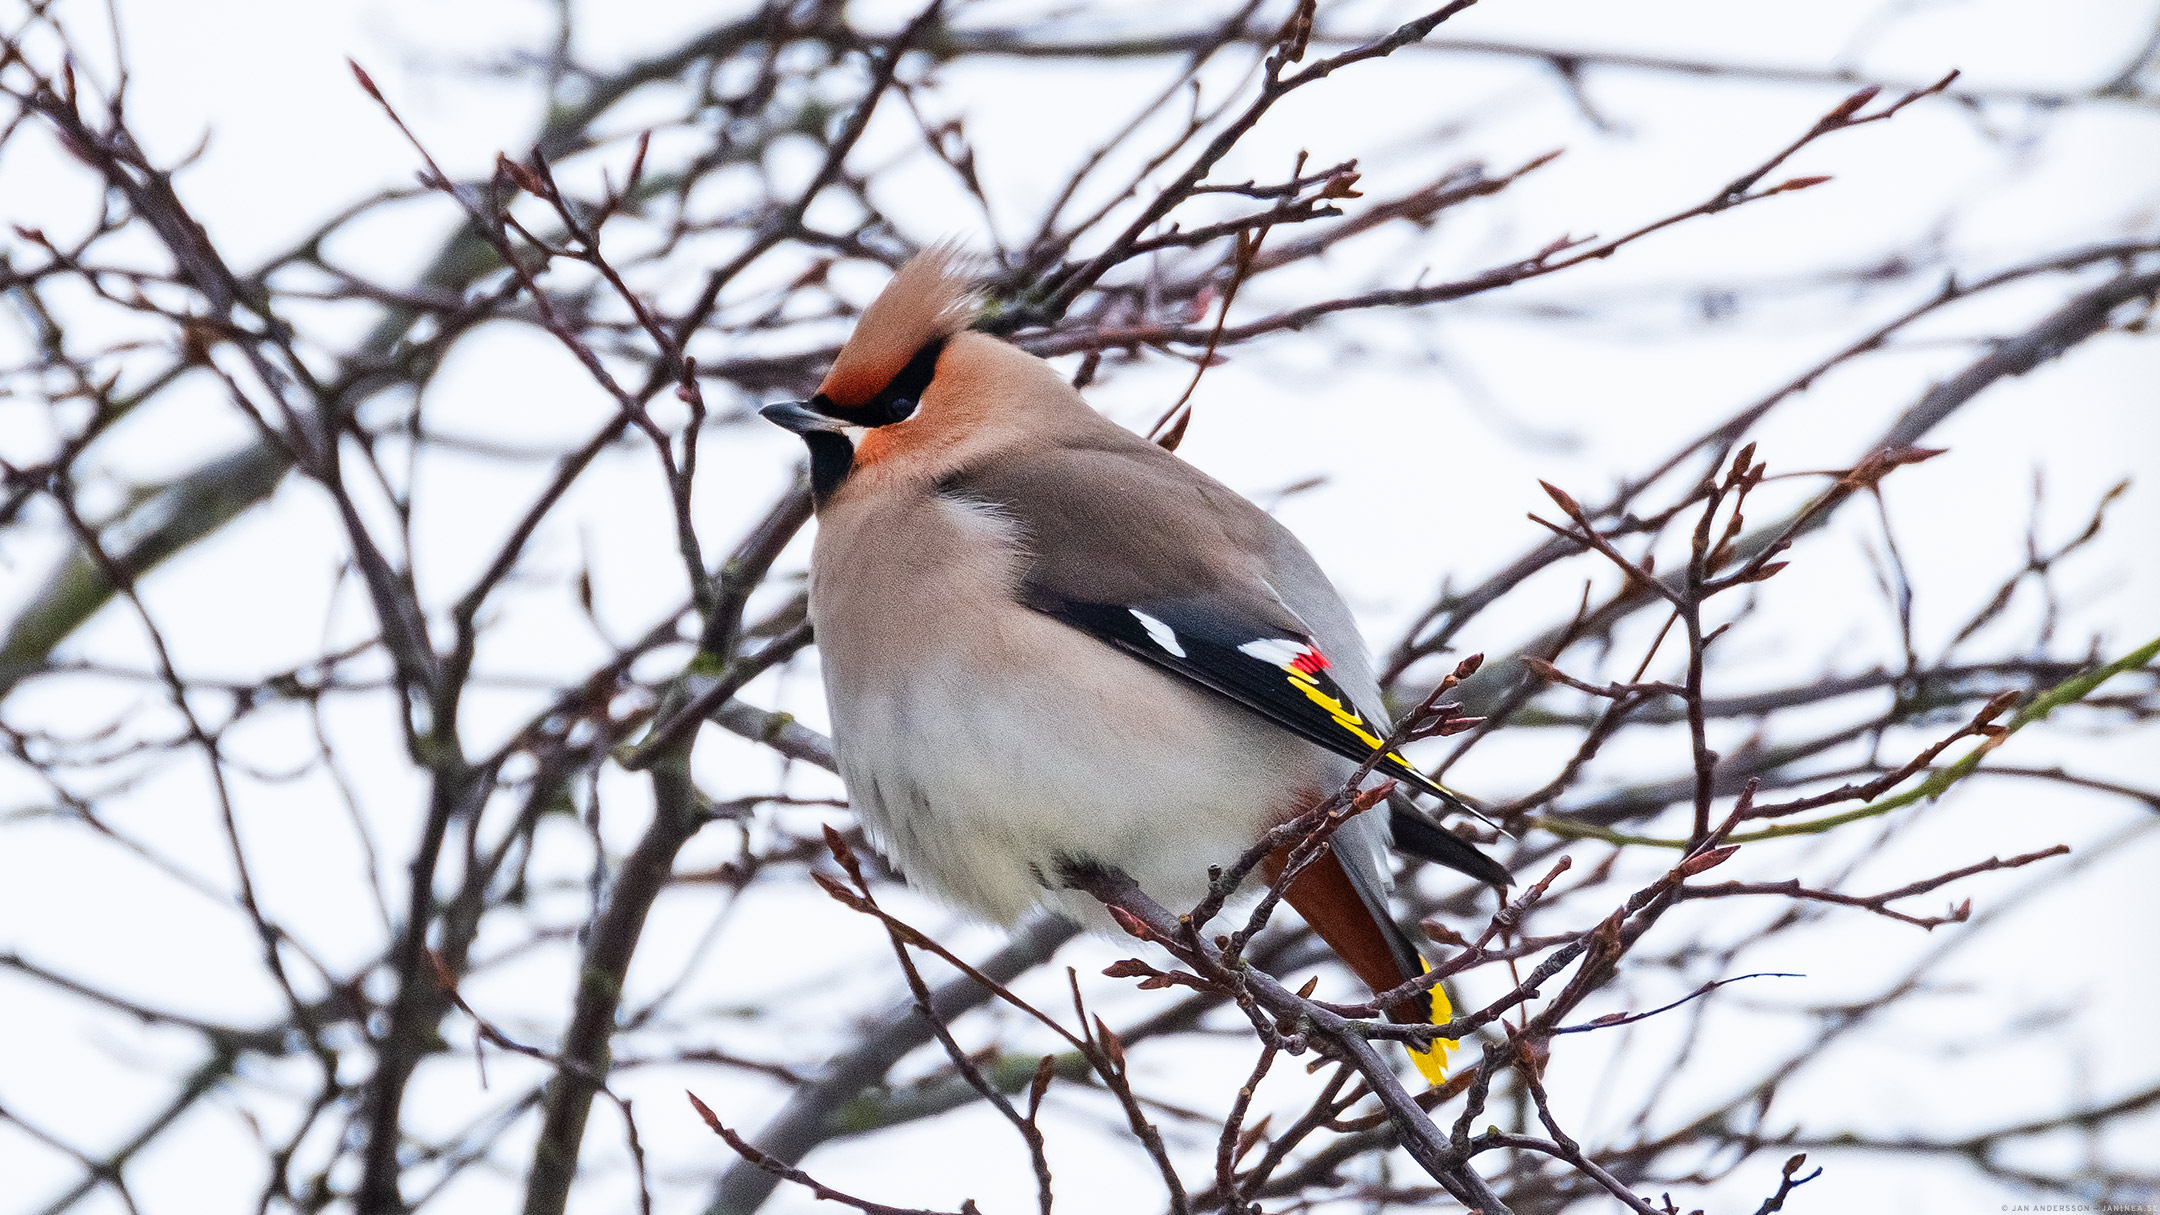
(1159, 633)
(1274, 651)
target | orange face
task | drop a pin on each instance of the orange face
(941, 418)
(879, 445)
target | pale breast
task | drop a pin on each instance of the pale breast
(985, 744)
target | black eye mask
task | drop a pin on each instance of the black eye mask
(832, 455)
(897, 401)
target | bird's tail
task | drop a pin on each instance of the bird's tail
(1432, 1061)
(1373, 946)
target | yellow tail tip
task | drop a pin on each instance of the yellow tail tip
(1432, 1061)
(1432, 1064)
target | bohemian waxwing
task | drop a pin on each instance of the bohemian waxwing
(1050, 643)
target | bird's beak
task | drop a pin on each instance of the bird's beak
(798, 417)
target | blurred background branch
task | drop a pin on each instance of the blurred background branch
(378, 546)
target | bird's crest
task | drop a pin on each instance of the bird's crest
(930, 298)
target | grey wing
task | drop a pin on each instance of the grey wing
(1115, 523)
(1124, 538)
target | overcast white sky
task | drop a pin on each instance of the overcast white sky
(1479, 400)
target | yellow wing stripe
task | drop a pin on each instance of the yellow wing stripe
(1345, 716)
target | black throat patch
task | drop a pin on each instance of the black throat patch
(832, 458)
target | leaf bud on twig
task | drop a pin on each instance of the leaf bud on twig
(1710, 859)
(367, 82)
(1566, 502)
(1851, 105)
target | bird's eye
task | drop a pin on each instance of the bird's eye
(901, 409)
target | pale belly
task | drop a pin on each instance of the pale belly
(982, 787)
(987, 746)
